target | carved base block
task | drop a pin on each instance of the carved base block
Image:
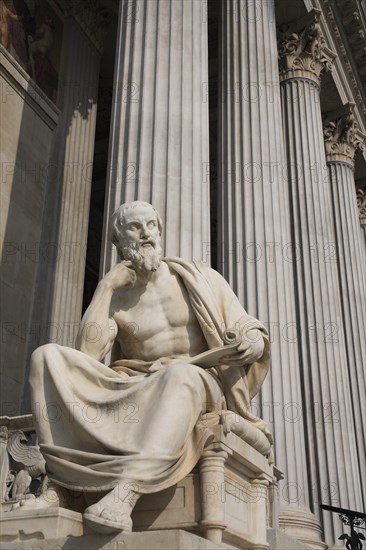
(224, 499)
(45, 523)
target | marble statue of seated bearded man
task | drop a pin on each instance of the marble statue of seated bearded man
(137, 426)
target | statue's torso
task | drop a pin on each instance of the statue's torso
(157, 320)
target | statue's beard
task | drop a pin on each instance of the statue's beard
(145, 257)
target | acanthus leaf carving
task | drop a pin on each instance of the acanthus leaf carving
(342, 137)
(361, 204)
(302, 49)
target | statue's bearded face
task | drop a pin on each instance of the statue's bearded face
(140, 238)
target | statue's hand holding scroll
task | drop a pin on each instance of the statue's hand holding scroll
(249, 349)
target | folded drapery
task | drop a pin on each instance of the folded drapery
(141, 422)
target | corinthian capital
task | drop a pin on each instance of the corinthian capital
(342, 136)
(302, 49)
(92, 16)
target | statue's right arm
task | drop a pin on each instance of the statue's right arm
(98, 329)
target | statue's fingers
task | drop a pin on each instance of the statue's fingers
(242, 347)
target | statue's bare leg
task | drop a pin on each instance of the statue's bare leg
(112, 514)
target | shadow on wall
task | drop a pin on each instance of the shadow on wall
(34, 134)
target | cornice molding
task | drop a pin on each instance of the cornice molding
(345, 51)
(92, 16)
(303, 52)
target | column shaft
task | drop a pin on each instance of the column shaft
(159, 134)
(351, 271)
(254, 250)
(80, 90)
(331, 438)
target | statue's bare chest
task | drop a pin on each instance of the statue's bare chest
(159, 307)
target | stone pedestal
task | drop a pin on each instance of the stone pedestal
(157, 540)
(223, 500)
(159, 132)
(334, 471)
(254, 235)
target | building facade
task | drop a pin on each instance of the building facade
(243, 122)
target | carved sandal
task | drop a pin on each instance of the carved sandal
(105, 525)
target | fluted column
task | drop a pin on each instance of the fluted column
(342, 139)
(79, 103)
(159, 133)
(254, 250)
(331, 439)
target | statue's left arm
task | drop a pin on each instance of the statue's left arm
(245, 374)
(252, 336)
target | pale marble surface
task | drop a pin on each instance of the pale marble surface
(158, 540)
(138, 427)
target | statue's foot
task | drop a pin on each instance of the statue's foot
(112, 514)
(107, 520)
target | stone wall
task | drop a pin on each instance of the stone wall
(28, 123)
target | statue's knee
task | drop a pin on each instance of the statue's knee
(42, 353)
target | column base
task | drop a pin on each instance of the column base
(302, 525)
(278, 540)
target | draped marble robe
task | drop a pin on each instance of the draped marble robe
(145, 423)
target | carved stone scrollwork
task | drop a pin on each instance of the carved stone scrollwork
(302, 49)
(30, 466)
(93, 17)
(361, 204)
(4, 464)
(342, 136)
